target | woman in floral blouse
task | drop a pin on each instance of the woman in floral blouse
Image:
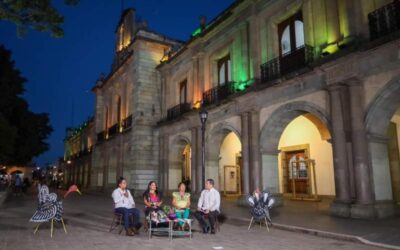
(181, 203)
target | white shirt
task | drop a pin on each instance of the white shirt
(120, 200)
(209, 199)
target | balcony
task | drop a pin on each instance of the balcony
(288, 63)
(218, 93)
(178, 110)
(113, 130)
(101, 136)
(385, 20)
(126, 123)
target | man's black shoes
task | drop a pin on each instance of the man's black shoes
(206, 230)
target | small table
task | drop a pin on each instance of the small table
(180, 233)
(170, 229)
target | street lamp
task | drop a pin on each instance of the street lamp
(203, 119)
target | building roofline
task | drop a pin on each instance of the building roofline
(222, 16)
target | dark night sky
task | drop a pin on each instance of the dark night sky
(61, 72)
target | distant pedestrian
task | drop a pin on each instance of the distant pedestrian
(18, 185)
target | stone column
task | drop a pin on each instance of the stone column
(341, 205)
(255, 155)
(161, 162)
(200, 72)
(332, 21)
(193, 178)
(364, 193)
(196, 88)
(382, 175)
(245, 168)
(254, 44)
(165, 170)
(199, 181)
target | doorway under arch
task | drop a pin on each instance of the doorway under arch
(297, 132)
(180, 163)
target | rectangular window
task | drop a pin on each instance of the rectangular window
(183, 92)
(224, 70)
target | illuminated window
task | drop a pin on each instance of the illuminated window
(224, 70)
(121, 37)
(183, 92)
(291, 34)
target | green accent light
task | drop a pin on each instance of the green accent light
(331, 49)
(196, 32)
(242, 85)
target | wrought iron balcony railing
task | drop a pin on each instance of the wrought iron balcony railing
(178, 110)
(126, 123)
(287, 63)
(218, 93)
(113, 130)
(385, 20)
(101, 136)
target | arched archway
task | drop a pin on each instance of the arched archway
(300, 130)
(180, 162)
(223, 149)
(382, 122)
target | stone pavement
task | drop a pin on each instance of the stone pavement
(89, 216)
(314, 217)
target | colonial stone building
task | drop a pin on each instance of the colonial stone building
(128, 108)
(77, 161)
(303, 99)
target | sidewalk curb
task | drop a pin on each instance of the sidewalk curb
(326, 234)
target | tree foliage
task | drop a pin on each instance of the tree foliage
(39, 15)
(22, 132)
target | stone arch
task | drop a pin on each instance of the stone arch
(177, 146)
(272, 130)
(214, 140)
(384, 163)
(282, 116)
(382, 108)
(216, 136)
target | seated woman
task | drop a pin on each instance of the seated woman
(152, 199)
(181, 203)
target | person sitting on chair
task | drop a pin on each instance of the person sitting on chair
(208, 205)
(152, 198)
(125, 205)
(181, 203)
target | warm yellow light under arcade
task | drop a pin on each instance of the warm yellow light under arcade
(230, 150)
(302, 131)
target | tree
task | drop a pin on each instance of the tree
(22, 132)
(34, 14)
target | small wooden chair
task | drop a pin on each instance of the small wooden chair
(117, 222)
(216, 222)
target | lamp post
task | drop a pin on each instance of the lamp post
(203, 119)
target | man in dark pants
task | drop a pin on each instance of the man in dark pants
(208, 205)
(125, 205)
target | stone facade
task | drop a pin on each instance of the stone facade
(255, 68)
(77, 161)
(128, 108)
(349, 84)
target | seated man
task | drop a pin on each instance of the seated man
(208, 204)
(125, 205)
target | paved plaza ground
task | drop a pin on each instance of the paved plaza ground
(89, 217)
